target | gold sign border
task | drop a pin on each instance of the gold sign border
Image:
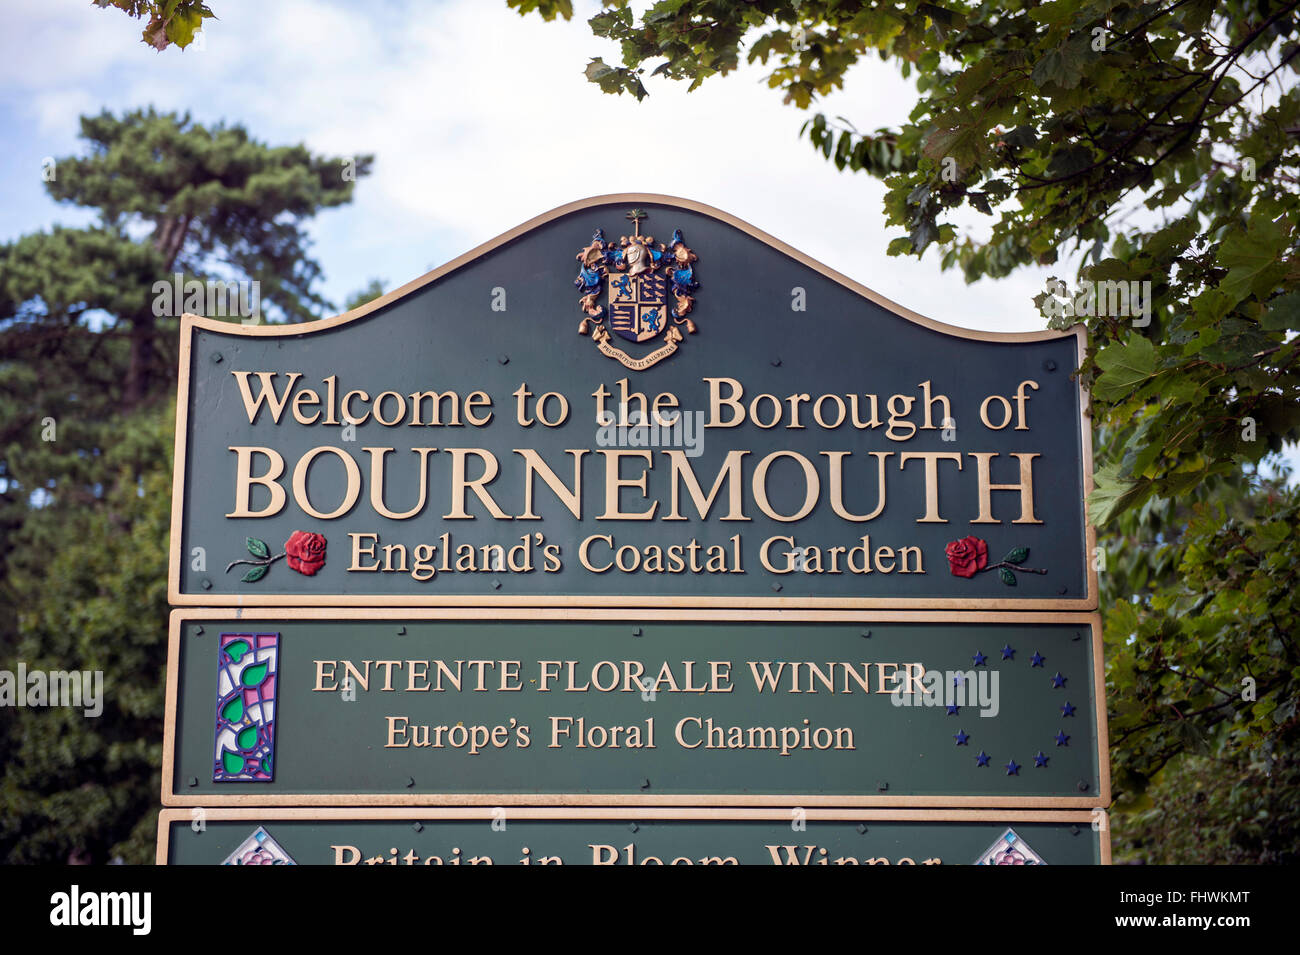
(270, 816)
(171, 798)
(191, 322)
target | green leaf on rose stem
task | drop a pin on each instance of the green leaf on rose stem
(1007, 576)
(257, 548)
(1017, 556)
(254, 573)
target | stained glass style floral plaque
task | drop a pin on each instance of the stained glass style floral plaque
(244, 748)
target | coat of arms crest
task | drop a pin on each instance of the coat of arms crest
(650, 292)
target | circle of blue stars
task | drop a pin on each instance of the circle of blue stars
(982, 759)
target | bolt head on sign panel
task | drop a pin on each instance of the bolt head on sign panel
(631, 401)
(502, 707)
(531, 836)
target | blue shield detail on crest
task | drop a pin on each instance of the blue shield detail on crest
(638, 305)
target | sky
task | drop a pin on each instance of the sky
(479, 119)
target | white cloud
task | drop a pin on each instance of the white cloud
(479, 119)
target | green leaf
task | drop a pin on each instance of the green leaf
(1022, 137)
(1112, 495)
(1125, 365)
(1064, 65)
(182, 26)
(923, 233)
(247, 737)
(1017, 556)
(1283, 313)
(548, 9)
(1008, 577)
(257, 547)
(1252, 256)
(1054, 13)
(1068, 161)
(233, 711)
(255, 573)
(1264, 706)
(232, 763)
(597, 69)
(613, 79)
(253, 675)
(959, 142)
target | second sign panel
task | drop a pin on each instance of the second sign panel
(475, 707)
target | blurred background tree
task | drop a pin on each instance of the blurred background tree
(88, 357)
(1134, 142)
(374, 288)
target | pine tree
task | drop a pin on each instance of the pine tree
(88, 357)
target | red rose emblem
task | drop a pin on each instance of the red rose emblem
(306, 552)
(967, 556)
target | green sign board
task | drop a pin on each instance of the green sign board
(630, 407)
(615, 837)
(592, 707)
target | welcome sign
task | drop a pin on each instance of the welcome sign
(631, 401)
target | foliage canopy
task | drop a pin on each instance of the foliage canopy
(1132, 142)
